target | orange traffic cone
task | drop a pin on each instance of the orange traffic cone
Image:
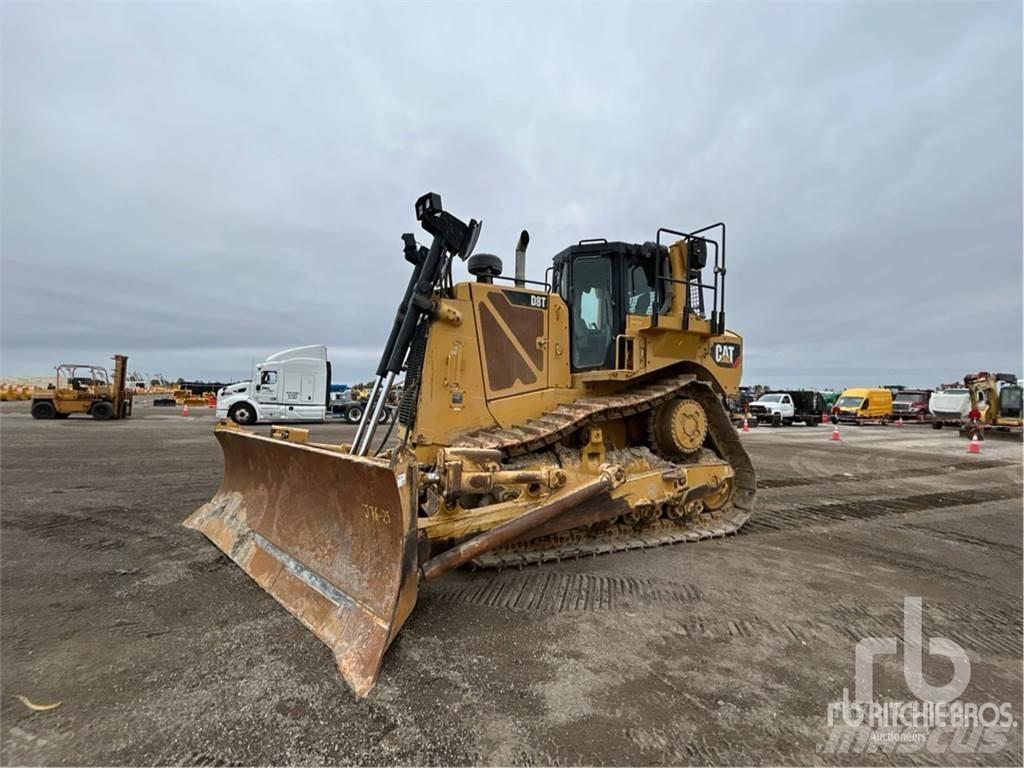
(824, 417)
(184, 411)
(835, 433)
(745, 427)
(900, 423)
(975, 446)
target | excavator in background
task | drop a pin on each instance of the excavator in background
(538, 421)
(88, 390)
(995, 405)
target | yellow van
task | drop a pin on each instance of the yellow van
(859, 404)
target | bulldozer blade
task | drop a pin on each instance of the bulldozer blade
(331, 536)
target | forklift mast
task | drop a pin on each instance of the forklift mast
(119, 386)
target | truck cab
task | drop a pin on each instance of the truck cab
(288, 386)
(775, 408)
(911, 404)
(949, 406)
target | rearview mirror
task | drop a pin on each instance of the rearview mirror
(471, 237)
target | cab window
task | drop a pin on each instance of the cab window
(592, 318)
(269, 377)
(641, 292)
(1010, 401)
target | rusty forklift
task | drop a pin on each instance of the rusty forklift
(88, 390)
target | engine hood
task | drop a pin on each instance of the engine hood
(238, 388)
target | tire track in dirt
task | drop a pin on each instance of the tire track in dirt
(95, 530)
(804, 516)
(910, 472)
(994, 630)
(554, 592)
(957, 537)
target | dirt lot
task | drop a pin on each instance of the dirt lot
(723, 652)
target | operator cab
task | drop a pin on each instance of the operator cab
(603, 282)
(1010, 397)
(81, 378)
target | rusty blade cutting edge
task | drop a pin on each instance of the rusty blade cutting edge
(332, 537)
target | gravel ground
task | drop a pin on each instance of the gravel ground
(161, 651)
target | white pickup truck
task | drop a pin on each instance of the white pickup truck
(778, 408)
(775, 408)
(288, 386)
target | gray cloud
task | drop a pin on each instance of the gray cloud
(198, 185)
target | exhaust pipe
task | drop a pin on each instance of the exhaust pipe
(524, 240)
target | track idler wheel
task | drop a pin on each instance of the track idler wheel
(678, 427)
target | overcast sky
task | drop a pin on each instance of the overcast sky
(199, 184)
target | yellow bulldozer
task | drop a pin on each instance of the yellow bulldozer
(88, 390)
(538, 421)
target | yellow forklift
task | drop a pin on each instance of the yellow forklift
(86, 389)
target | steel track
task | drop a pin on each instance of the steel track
(555, 426)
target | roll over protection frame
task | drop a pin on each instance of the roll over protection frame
(718, 296)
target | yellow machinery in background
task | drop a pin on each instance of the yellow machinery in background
(538, 421)
(12, 392)
(88, 390)
(188, 397)
(996, 398)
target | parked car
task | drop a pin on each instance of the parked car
(911, 405)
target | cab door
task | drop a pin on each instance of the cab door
(268, 386)
(594, 320)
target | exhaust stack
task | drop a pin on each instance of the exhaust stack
(524, 241)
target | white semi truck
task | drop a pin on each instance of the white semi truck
(292, 385)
